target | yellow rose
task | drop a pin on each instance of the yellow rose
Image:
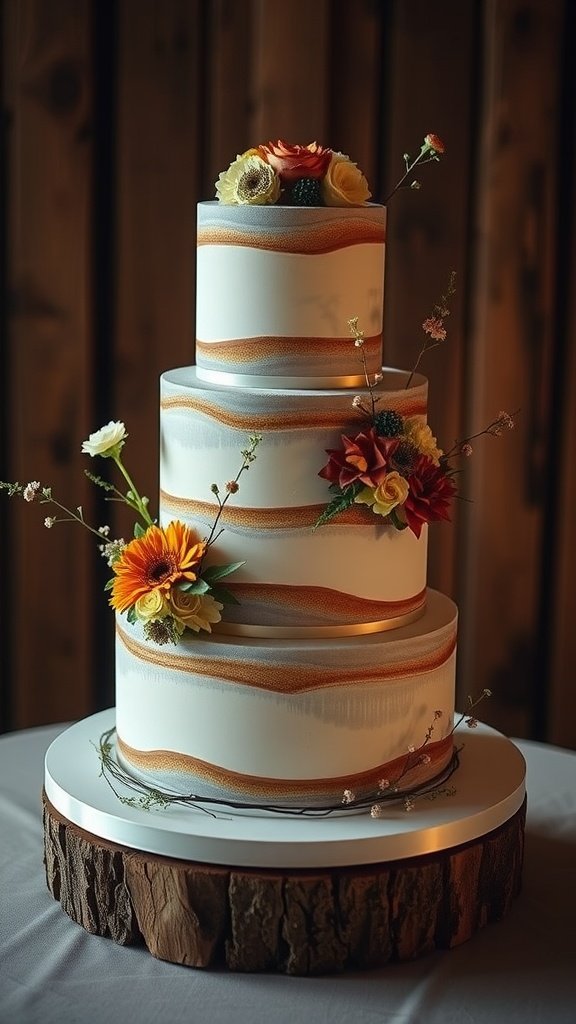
(152, 605)
(344, 184)
(422, 438)
(196, 611)
(248, 181)
(392, 492)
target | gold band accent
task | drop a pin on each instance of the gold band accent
(279, 382)
(316, 632)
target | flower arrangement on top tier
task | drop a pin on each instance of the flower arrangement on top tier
(312, 175)
(393, 464)
(160, 577)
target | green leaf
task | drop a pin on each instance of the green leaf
(217, 572)
(139, 531)
(341, 501)
(131, 616)
(223, 595)
(396, 522)
(196, 587)
(109, 584)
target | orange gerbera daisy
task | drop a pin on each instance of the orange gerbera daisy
(154, 561)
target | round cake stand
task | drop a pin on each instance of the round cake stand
(268, 892)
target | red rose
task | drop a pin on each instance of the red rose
(363, 458)
(430, 494)
(293, 162)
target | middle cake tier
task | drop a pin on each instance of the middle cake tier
(351, 575)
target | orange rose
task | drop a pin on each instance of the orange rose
(294, 162)
(434, 142)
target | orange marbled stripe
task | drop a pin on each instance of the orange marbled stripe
(286, 677)
(338, 605)
(332, 418)
(303, 240)
(413, 772)
(294, 517)
(261, 348)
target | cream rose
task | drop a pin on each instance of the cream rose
(344, 184)
(392, 492)
(152, 605)
(249, 180)
(422, 438)
(107, 441)
(197, 611)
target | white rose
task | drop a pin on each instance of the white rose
(107, 441)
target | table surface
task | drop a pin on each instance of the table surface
(519, 971)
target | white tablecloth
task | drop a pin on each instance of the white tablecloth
(520, 971)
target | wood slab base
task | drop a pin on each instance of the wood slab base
(299, 922)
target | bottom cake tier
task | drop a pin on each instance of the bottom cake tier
(295, 723)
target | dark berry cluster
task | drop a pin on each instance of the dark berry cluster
(388, 423)
(306, 192)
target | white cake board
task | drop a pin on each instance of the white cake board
(488, 789)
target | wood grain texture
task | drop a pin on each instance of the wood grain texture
(509, 357)
(159, 159)
(288, 70)
(295, 922)
(47, 82)
(190, 85)
(430, 90)
(356, 73)
(561, 697)
(230, 99)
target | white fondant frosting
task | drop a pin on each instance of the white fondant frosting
(338, 664)
(276, 287)
(351, 570)
(212, 712)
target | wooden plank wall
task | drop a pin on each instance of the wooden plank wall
(118, 117)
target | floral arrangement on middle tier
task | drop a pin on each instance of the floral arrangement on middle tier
(159, 578)
(393, 465)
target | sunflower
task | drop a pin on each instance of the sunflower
(154, 561)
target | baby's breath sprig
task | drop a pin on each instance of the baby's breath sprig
(371, 382)
(434, 326)
(469, 719)
(390, 789)
(34, 491)
(503, 421)
(232, 486)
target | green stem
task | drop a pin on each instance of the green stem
(138, 505)
(416, 365)
(73, 517)
(221, 503)
(408, 171)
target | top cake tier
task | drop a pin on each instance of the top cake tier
(276, 287)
